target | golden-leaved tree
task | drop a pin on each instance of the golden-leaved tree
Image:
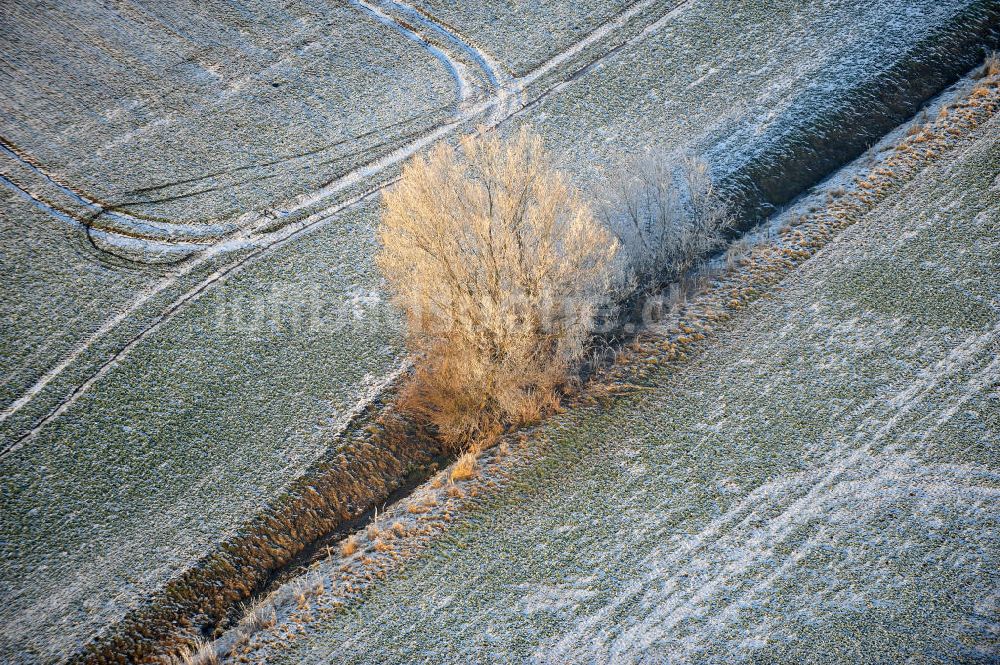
(499, 266)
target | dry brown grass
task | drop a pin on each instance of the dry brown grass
(738, 251)
(302, 593)
(499, 266)
(201, 653)
(465, 467)
(992, 65)
(349, 545)
(258, 617)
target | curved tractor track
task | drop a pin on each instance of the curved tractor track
(504, 98)
(117, 228)
(145, 239)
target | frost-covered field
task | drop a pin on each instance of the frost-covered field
(525, 35)
(209, 418)
(752, 86)
(149, 410)
(198, 113)
(819, 483)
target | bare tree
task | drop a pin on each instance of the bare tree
(666, 214)
(499, 266)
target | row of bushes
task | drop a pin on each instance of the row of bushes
(500, 266)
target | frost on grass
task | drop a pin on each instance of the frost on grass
(203, 424)
(194, 432)
(820, 483)
(733, 82)
(524, 38)
(187, 112)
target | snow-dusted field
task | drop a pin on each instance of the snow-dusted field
(819, 483)
(190, 308)
(756, 87)
(197, 114)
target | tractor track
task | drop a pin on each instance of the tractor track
(505, 102)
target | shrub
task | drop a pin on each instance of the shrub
(257, 617)
(666, 214)
(991, 66)
(464, 468)
(349, 545)
(200, 653)
(499, 266)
